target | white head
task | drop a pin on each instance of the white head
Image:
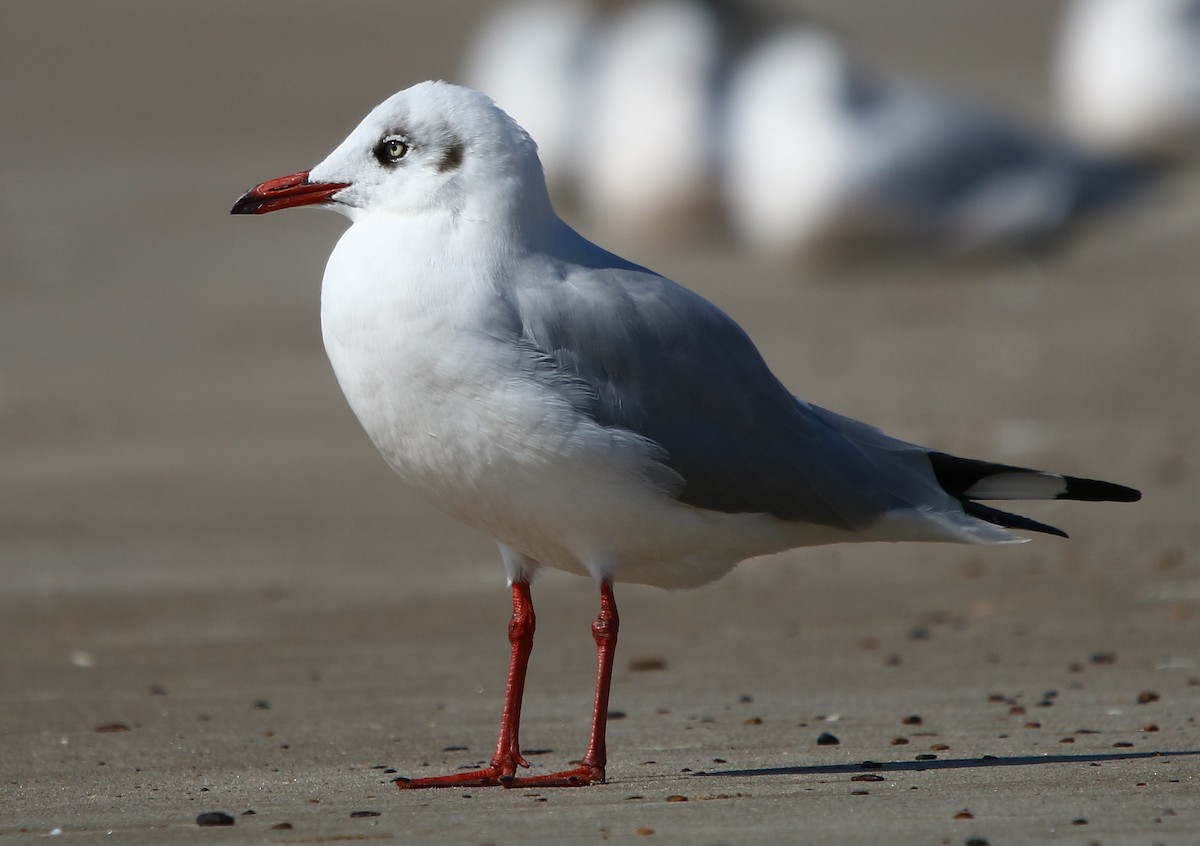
(431, 147)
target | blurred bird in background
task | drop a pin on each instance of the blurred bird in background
(823, 154)
(533, 57)
(1128, 77)
(622, 99)
(681, 118)
(649, 147)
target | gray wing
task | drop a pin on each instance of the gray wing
(633, 350)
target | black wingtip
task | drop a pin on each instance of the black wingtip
(958, 476)
(1007, 520)
(1093, 490)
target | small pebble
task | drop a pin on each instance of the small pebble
(82, 658)
(283, 826)
(964, 814)
(262, 705)
(645, 830)
(1103, 658)
(1147, 696)
(867, 777)
(647, 665)
(752, 721)
(827, 739)
(676, 798)
(109, 728)
(899, 741)
(213, 818)
(912, 720)
(358, 814)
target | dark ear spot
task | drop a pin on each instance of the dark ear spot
(453, 157)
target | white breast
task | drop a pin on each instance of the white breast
(437, 395)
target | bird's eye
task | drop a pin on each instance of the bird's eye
(391, 150)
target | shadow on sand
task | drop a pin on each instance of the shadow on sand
(947, 764)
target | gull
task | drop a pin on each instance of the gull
(1128, 76)
(587, 413)
(821, 155)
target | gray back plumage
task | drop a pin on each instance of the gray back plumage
(633, 350)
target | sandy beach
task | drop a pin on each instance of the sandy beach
(216, 597)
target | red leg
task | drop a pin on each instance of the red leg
(508, 755)
(591, 768)
(508, 747)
